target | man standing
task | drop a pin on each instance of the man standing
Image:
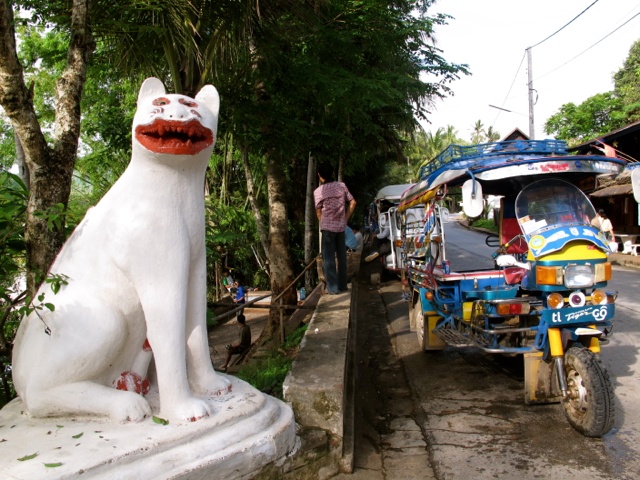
(331, 198)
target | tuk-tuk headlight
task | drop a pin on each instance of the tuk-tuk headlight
(555, 300)
(578, 276)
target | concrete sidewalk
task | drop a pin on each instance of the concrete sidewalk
(625, 260)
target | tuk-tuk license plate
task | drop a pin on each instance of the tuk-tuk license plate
(587, 314)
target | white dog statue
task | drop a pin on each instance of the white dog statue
(136, 282)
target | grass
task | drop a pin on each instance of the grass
(484, 223)
(267, 374)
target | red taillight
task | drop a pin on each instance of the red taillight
(519, 308)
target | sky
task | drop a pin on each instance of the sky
(491, 37)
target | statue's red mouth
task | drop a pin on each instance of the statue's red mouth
(174, 138)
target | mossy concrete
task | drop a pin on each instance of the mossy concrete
(317, 389)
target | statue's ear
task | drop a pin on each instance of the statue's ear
(208, 96)
(151, 87)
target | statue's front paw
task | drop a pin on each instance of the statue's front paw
(129, 407)
(213, 385)
(189, 410)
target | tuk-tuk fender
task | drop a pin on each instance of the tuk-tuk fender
(427, 306)
(555, 239)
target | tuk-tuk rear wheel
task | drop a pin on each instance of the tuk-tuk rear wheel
(589, 406)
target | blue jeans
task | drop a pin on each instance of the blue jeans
(332, 244)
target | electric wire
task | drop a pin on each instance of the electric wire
(540, 42)
(588, 48)
(564, 26)
(568, 61)
(510, 88)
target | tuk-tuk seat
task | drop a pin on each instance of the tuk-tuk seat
(509, 227)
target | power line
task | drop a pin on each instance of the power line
(588, 48)
(565, 25)
(540, 42)
(509, 91)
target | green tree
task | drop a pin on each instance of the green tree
(425, 146)
(627, 85)
(340, 79)
(477, 132)
(602, 112)
(492, 135)
(51, 164)
(13, 206)
(578, 123)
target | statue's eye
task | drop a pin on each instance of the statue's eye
(188, 103)
(161, 101)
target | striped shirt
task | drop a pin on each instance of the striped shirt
(331, 199)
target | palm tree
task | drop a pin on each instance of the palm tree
(477, 132)
(492, 135)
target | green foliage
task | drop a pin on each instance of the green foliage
(602, 112)
(13, 205)
(484, 223)
(7, 144)
(578, 123)
(425, 146)
(627, 85)
(267, 374)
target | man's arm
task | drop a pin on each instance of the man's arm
(351, 208)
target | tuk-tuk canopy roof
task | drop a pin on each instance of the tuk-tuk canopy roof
(392, 192)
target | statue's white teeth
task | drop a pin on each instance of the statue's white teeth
(160, 130)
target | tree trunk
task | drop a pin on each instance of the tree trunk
(280, 264)
(262, 233)
(310, 222)
(50, 168)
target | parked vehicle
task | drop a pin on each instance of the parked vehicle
(385, 212)
(546, 297)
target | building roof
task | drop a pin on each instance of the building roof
(613, 190)
(625, 140)
(516, 134)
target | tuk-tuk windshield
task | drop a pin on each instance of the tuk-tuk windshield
(547, 204)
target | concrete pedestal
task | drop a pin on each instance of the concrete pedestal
(248, 431)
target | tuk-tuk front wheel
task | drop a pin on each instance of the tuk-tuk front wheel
(589, 405)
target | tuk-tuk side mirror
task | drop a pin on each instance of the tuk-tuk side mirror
(635, 183)
(472, 199)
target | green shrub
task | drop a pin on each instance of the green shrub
(484, 223)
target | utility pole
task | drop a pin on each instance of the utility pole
(532, 134)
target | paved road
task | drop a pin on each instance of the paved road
(460, 414)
